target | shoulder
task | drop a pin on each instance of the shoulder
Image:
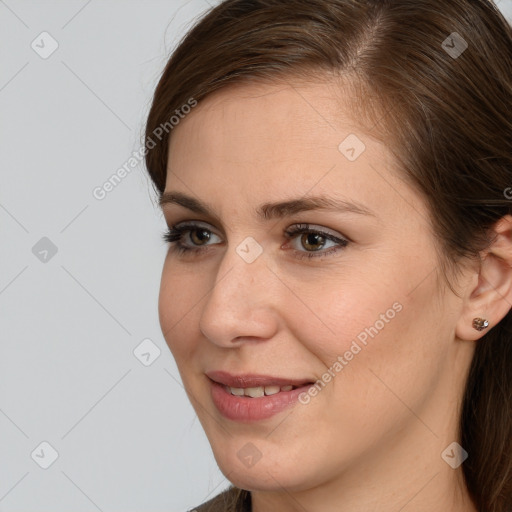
(231, 500)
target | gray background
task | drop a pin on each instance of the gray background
(126, 436)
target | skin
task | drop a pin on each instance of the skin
(372, 438)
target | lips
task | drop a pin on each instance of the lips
(254, 380)
(248, 398)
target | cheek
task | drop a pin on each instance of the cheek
(178, 300)
(373, 337)
(388, 364)
(342, 314)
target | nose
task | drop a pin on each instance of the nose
(242, 302)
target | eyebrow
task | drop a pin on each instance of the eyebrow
(268, 211)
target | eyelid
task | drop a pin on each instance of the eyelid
(194, 224)
(316, 228)
(197, 223)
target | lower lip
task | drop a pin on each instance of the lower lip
(246, 409)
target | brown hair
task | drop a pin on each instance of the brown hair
(445, 116)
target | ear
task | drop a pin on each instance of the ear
(490, 296)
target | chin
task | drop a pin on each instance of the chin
(263, 475)
(259, 481)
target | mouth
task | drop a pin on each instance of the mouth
(259, 391)
(247, 398)
(256, 385)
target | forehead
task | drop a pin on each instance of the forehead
(272, 141)
(266, 125)
(244, 116)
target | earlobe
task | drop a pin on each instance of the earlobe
(487, 302)
(474, 314)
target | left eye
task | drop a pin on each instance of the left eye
(310, 239)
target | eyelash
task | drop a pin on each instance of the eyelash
(175, 234)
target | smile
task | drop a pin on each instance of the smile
(250, 398)
(259, 391)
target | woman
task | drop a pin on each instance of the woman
(336, 179)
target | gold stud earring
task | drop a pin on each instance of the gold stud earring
(480, 324)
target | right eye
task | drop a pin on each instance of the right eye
(195, 233)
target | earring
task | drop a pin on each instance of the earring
(480, 324)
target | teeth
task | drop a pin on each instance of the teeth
(272, 390)
(255, 392)
(259, 391)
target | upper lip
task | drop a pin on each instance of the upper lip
(247, 380)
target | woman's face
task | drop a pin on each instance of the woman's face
(357, 299)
